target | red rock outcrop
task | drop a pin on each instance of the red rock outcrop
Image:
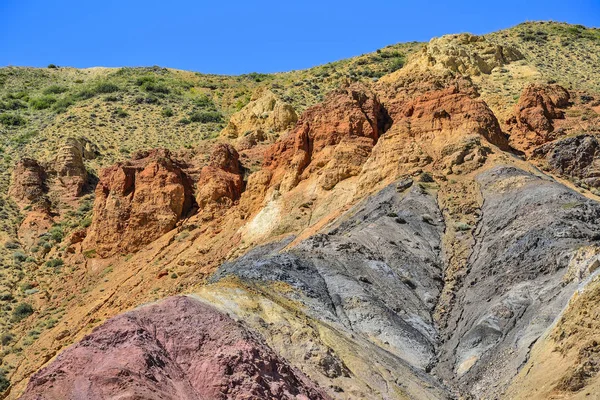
(532, 123)
(179, 348)
(453, 110)
(36, 222)
(333, 139)
(439, 121)
(137, 202)
(28, 189)
(28, 186)
(221, 181)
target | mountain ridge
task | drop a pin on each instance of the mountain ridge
(348, 239)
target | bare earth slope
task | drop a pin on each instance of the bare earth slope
(179, 348)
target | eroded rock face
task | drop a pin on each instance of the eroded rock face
(532, 125)
(34, 183)
(452, 110)
(179, 348)
(333, 138)
(29, 190)
(69, 166)
(36, 222)
(221, 181)
(28, 186)
(88, 150)
(260, 119)
(66, 172)
(577, 157)
(468, 54)
(137, 202)
(446, 128)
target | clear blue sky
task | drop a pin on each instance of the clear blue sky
(232, 37)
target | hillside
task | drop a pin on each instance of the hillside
(417, 222)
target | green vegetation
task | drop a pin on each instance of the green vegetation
(23, 138)
(206, 116)
(4, 382)
(61, 105)
(42, 102)
(6, 338)
(22, 311)
(56, 233)
(204, 101)
(571, 205)
(55, 263)
(12, 120)
(461, 226)
(55, 89)
(119, 112)
(563, 53)
(19, 256)
(89, 253)
(256, 77)
(86, 222)
(12, 104)
(104, 88)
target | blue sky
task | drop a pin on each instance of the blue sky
(233, 37)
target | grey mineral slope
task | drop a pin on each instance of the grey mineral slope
(377, 273)
(529, 231)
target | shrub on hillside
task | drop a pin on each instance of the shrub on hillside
(167, 112)
(56, 233)
(105, 87)
(84, 94)
(256, 77)
(396, 64)
(144, 79)
(12, 104)
(86, 222)
(6, 338)
(19, 256)
(155, 88)
(98, 88)
(55, 263)
(151, 85)
(42, 102)
(119, 112)
(61, 105)
(11, 120)
(204, 101)
(22, 311)
(4, 382)
(206, 116)
(12, 245)
(55, 89)
(24, 138)
(18, 95)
